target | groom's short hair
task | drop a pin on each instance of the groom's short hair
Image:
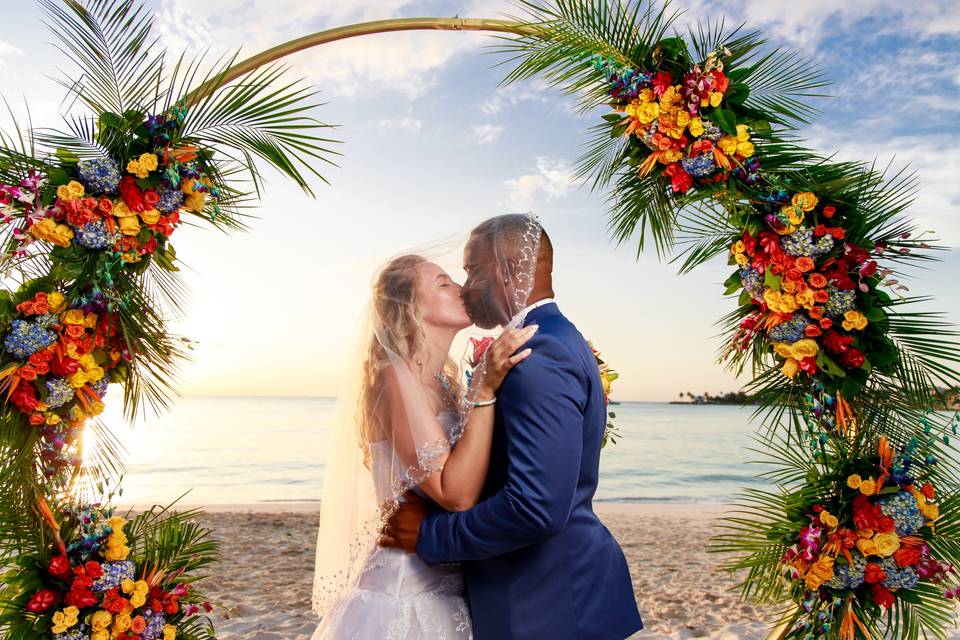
(508, 233)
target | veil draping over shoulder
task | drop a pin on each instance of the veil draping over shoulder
(402, 409)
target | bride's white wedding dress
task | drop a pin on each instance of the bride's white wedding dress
(398, 596)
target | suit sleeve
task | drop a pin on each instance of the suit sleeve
(542, 404)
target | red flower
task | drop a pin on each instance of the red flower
(93, 570)
(874, 574)
(151, 198)
(853, 358)
(479, 348)
(820, 230)
(907, 556)
(837, 232)
(661, 82)
(43, 600)
(680, 180)
(60, 568)
(720, 81)
(81, 597)
(131, 194)
(928, 491)
(812, 331)
(836, 343)
(817, 281)
(868, 269)
(829, 211)
(25, 398)
(809, 365)
(882, 596)
(64, 367)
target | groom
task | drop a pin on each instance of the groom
(538, 562)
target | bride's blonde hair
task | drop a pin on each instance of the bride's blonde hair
(398, 324)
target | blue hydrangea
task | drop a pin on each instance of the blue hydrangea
(840, 301)
(802, 243)
(99, 175)
(752, 281)
(79, 632)
(59, 392)
(700, 166)
(94, 235)
(711, 131)
(904, 510)
(898, 577)
(100, 386)
(791, 330)
(47, 320)
(26, 338)
(114, 573)
(154, 628)
(170, 199)
(848, 576)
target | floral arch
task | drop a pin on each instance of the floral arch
(700, 155)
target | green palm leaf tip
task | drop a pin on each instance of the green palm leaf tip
(559, 46)
(119, 69)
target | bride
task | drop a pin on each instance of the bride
(396, 432)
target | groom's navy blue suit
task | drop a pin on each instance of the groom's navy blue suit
(539, 563)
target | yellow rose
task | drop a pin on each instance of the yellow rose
(715, 98)
(645, 95)
(683, 118)
(141, 586)
(169, 632)
(73, 316)
(868, 487)
(820, 571)
(129, 225)
(127, 586)
(138, 599)
(90, 321)
(790, 367)
(59, 618)
(930, 511)
(71, 612)
(70, 191)
(103, 634)
(696, 127)
(148, 161)
(78, 379)
(728, 144)
(772, 298)
(743, 133)
(48, 229)
(854, 481)
(805, 348)
(137, 169)
(791, 214)
(648, 112)
(121, 623)
(746, 149)
(55, 301)
(788, 303)
(788, 286)
(150, 216)
(121, 210)
(805, 298)
(853, 319)
(741, 259)
(806, 201)
(828, 519)
(867, 547)
(783, 349)
(117, 553)
(100, 620)
(887, 544)
(116, 522)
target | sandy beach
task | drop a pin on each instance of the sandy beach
(266, 575)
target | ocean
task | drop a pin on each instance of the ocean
(233, 450)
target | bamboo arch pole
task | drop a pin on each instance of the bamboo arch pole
(352, 31)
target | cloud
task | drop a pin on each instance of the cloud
(7, 50)
(553, 178)
(392, 124)
(934, 159)
(514, 94)
(404, 62)
(486, 133)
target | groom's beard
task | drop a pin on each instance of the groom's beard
(483, 310)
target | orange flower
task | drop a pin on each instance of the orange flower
(137, 625)
(821, 295)
(812, 331)
(805, 264)
(928, 491)
(829, 210)
(817, 280)
(27, 372)
(36, 419)
(815, 312)
(886, 453)
(826, 323)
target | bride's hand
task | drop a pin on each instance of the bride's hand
(501, 356)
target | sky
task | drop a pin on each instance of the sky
(432, 145)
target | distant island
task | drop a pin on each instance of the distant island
(952, 397)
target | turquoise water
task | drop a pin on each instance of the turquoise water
(228, 450)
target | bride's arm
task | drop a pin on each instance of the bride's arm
(462, 470)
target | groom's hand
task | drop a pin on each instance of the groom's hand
(403, 527)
